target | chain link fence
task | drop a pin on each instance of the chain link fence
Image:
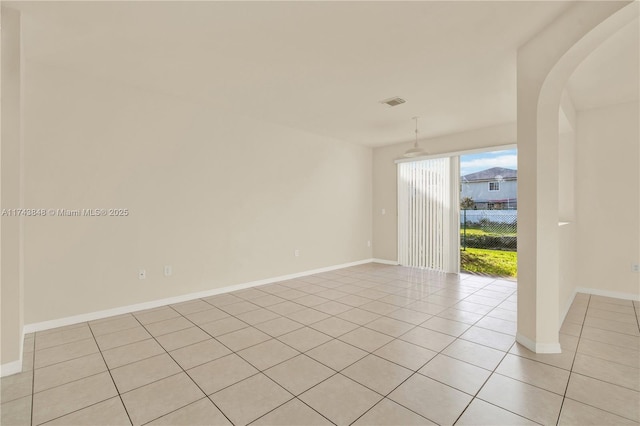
(489, 229)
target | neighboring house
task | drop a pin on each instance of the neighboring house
(491, 189)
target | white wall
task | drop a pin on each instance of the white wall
(223, 199)
(566, 205)
(11, 296)
(608, 198)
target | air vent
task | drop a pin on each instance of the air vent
(395, 101)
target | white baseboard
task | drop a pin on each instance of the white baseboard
(539, 348)
(91, 316)
(11, 368)
(607, 293)
(385, 262)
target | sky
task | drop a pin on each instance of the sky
(485, 160)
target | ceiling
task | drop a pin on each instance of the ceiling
(321, 67)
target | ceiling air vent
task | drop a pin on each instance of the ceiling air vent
(395, 101)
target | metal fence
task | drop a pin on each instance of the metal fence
(489, 229)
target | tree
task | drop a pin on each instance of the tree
(467, 203)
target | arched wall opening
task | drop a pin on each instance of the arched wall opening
(545, 64)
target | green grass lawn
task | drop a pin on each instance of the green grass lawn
(492, 262)
(496, 232)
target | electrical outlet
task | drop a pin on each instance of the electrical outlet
(384, 211)
(168, 270)
(635, 267)
(142, 274)
(296, 253)
(368, 243)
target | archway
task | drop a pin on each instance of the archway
(545, 64)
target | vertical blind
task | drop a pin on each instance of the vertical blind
(426, 214)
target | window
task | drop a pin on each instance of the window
(494, 186)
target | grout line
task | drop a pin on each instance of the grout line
(72, 359)
(289, 400)
(259, 371)
(456, 338)
(272, 337)
(125, 344)
(80, 409)
(501, 408)
(602, 409)
(183, 370)
(600, 341)
(441, 353)
(332, 338)
(571, 373)
(575, 354)
(361, 277)
(33, 377)
(68, 343)
(611, 331)
(110, 375)
(507, 352)
(177, 409)
(474, 397)
(603, 380)
(63, 384)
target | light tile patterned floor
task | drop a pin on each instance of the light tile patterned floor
(367, 345)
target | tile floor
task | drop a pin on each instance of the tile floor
(368, 345)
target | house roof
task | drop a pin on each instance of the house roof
(491, 174)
